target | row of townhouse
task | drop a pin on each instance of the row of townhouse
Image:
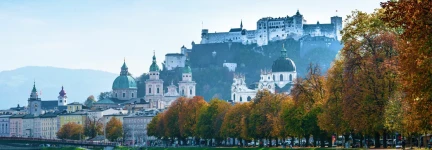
(47, 125)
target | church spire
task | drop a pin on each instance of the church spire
(34, 87)
(283, 51)
(241, 24)
(154, 66)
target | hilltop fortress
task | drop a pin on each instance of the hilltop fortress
(274, 29)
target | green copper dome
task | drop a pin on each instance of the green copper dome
(154, 66)
(283, 63)
(124, 81)
(186, 68)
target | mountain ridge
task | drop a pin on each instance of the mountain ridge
(15, 85)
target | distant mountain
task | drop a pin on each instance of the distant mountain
(16, 85)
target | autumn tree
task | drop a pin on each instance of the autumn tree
(155, 127)
(210, 120)
(114, 129)
(412, 18)
(369, 70)
(188, 117)
(93, 126)
(264, 120)
(90, 100)
(308, 95)
(71, 130)
(171, 118)
(331, 119)
(234, 123)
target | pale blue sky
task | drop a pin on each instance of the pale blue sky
(97, 34)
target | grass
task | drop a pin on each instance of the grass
(63, 148)
(248, 148)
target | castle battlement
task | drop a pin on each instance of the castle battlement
(273, 29)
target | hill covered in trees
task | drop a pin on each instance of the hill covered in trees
(213, 80)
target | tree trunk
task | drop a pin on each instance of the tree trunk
(361, 140)
(307, 140)
(292, 141)
(277, 142)
(322, 140)
(377, 140)
(385, 139)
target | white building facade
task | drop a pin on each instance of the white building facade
(279, 80)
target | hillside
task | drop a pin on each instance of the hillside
(15, 85)
(215, 81)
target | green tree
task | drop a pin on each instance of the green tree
(104, 95)
(210, 120)
(90, 100)
(114, 129)
(93, 127)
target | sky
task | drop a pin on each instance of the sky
(100, 34)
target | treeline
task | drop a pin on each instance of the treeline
(379, 84)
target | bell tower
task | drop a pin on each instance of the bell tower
(34, 102)
(187, 85)
(62, 98)
(154, 85)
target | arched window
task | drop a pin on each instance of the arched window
(183, 93)
(274, 78)
(124, 94)
(249, 98)
(241, 99)
(149, 90)
(233, 96)
(281, 77)
(190, 91)
(157, 90)
(290, 77)
(132, 95)
(116, 95)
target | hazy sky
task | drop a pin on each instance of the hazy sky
(98, 34)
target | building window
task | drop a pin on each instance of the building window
(249, 98)
(157, 90)
(124, 94)
(132, 95)
(290, 77)
(183, 93)
(281, 77)
(116, 95)
(241, 99)
(233, 96)
(149, 91)
(190, 91)
(274, 78)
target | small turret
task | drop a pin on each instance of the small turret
(124, 69)
(241, 24)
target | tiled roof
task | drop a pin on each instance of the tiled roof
(49, 105)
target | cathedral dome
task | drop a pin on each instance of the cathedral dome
(283, 63)
(124, 82)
